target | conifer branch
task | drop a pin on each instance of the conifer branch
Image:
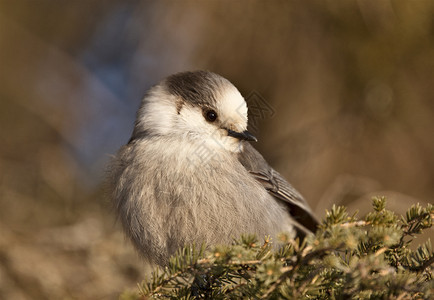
(346, 258)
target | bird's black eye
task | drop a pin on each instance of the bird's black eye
(210, 115)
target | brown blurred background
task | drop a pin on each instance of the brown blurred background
(349, 87)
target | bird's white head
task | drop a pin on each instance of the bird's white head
(196, 106)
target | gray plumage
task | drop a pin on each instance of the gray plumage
(186, 177)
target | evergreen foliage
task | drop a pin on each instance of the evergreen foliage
(347, 258)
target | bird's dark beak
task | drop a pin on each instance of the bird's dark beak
(245, 135)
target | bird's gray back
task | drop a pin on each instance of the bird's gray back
(279, 188)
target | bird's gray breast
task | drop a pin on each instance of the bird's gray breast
(178, 196)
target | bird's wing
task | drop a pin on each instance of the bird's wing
(278, 187)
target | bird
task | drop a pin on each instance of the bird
(190, 175)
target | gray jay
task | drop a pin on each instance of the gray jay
(189, 175)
